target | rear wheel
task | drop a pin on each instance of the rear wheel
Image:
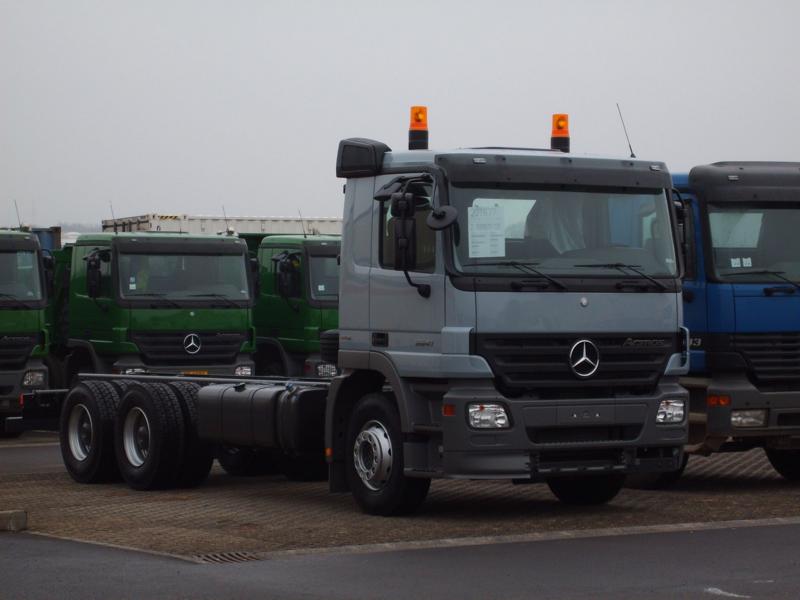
(150, 436)
(586, 490)
(198, 455)
(785, 462)
(86, 432)
(374, 460)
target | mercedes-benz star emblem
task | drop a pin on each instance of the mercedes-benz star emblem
(191, 343)
(584, 358)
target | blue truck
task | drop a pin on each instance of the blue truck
(741, 300)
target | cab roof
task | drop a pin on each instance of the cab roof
(85, 239)
(297, 239)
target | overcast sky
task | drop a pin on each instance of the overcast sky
(186, 106)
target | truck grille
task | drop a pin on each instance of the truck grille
(539, 364)
(773, 358)
(168, 347)
(15, 349)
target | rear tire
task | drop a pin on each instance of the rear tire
(374, 460)
(86, 432)
(785, 462)
(199, 454)
(150, 436)
(587, 490)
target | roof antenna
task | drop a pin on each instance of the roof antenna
(19, 220)
(228, 230)
(625, 129)
(303, 225)
(113, 217)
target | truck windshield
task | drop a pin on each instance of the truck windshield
(184, 276)
(324, 277)
(19, 276)
(749, 241)
(563, 232)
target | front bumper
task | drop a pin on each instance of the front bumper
(562, 437)
(134, 365)
(782, 408)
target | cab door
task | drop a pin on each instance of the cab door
(404, 324)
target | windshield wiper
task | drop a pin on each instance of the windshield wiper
(621, 267)
(19, 302)
(160, 296)
(526, 267)
(778, 274)
(230, 301)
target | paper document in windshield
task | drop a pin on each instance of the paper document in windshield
(487, 237)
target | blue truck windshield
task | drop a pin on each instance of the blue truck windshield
(562, 232)
(748, 241)
(19, 276)
(183, 276)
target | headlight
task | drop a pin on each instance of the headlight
(33, 379)
(327, 370)
(488, 416)
(748, 418)
(671, 410)
(134, 371)
(243, 371)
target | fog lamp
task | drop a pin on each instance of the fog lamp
(327, 370)
(671, 410)
(243, 371)
(748, 418)
(34, 379)
(488, 416)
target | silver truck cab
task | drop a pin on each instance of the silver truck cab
(504, 314)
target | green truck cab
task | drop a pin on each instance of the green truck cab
(24, 339)
(145, 303)
(299, 300)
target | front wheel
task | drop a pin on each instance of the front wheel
(785, 462)
(374, 459)
(587, 490)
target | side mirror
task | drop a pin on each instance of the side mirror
(442, 218)
(93, 276)
(49, 265)
(255, 274)
(405, 231)
(287, 275)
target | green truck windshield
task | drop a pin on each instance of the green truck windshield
(757, 238)
(563, 231)
(324, 277)
(183, 276)
(19, 276)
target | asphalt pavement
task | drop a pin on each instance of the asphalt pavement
(752, 562)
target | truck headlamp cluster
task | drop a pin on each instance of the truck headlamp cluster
(488, 416)
(243, 371)
(327, 370)
(33, 379)
(671, 411)
(748, 418)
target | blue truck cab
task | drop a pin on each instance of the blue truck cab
(741, 297)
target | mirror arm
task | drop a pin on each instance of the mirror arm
(423, 289)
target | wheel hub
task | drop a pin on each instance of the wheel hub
(80, 432)
(136, 437)
(372, 455)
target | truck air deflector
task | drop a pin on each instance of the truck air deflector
(510, 169)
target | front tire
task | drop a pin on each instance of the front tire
(785, 462)
(587, 490)
(374, 460)
(86, 432)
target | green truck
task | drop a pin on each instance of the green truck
(299, 300)
(24, 339)
(134, 303)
